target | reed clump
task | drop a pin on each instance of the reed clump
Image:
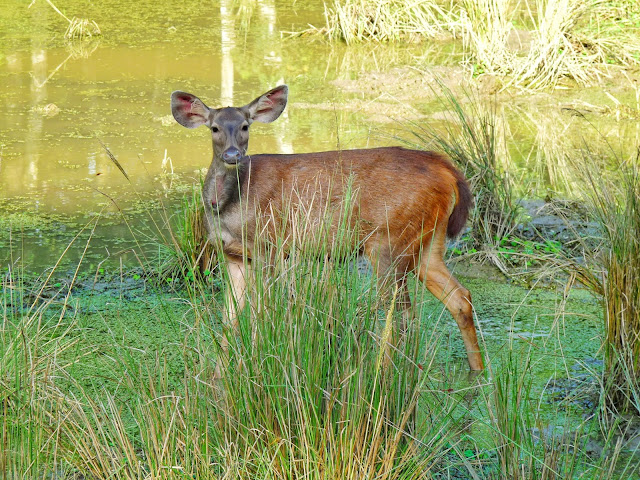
(616, 206)
(186, 252)
(609, 265)
(564, 38)
(356, 21)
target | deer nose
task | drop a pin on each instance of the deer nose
(231, 155)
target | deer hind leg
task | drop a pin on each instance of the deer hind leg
(234, 301)
(403, 301)
(390, 276)
(446, 288)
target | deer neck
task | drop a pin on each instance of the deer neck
(223, 185)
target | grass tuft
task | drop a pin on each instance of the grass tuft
(616, 206)
(563, 38)
(185, 252)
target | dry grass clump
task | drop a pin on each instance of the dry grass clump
(82, 28)
(555, 50)
(568, 38)
(485, 27)
(383, 20)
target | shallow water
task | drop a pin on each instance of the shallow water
(62, 99)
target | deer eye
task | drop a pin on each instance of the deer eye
(215, 129)
(245, 128)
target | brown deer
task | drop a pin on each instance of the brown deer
(408, 201)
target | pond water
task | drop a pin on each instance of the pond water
(61, 100)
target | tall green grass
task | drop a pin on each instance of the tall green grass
(32, 337)
(316, 386)
(615, 203)
(308, 384)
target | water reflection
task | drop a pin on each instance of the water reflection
(60, 99)
(227, 40)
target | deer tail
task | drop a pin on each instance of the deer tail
(464, 201)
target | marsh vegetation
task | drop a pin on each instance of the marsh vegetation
(110, 313)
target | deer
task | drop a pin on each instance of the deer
(409, 200)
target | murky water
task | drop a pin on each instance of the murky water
(61, 100)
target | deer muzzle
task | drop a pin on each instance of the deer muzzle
(231, 156)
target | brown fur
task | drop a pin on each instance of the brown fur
(404, 196)
(406, 203)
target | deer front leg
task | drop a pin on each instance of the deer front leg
(234, 302)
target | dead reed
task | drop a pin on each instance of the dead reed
(77, 28)
(568, 38)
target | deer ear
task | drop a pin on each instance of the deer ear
(188, 110)
(268, 107)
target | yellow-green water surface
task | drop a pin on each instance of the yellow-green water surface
(61, 99)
